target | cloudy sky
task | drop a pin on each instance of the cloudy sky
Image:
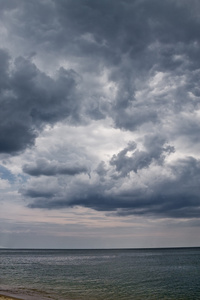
(99, 123)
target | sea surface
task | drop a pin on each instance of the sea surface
(119, 274)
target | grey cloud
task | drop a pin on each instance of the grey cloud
(7, 6)
(135, 43)
(107, 30)
(132, 39)
(138, 159)
(101, 169)
(33, 193)
(4, 62)
(131, 120)
(130, 25)
(44, 167)
(30, 99)
(176, 196)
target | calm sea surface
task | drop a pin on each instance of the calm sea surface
(120, 274)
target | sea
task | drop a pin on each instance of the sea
(106, 274)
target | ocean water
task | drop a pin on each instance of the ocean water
(119, 274)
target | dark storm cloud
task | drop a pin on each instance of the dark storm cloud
(133, 39)
(44, 167)
(130, 25)
(33, 193)
(176, 196)
(138, 159)
(150, 53)
(30, 99)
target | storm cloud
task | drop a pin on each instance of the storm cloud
(30, 99)
(154, 190)
(43, 167)
(131, 66)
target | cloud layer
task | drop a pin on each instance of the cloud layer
(131, 66)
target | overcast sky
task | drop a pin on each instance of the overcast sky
(99, 123)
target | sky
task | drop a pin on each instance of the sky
(99, 123)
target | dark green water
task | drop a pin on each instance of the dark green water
(120, 274)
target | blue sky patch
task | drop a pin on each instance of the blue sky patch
(6, 174)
